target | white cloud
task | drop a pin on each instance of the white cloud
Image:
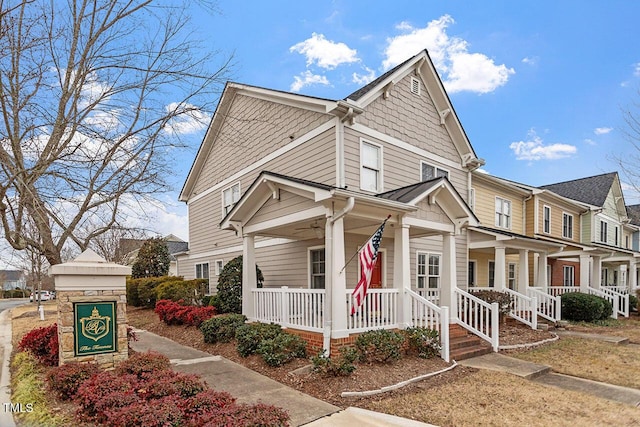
(307, 78)
(631, 193)
(590, 142)
(602, 131)
(460, 70)
(535, 149)
(325, 53)
(190, 119)
(530, 60)
(363, 79)
(636, 69)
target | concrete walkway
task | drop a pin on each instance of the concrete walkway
(251, 387)
(6, 418)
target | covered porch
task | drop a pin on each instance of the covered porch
(294, 210)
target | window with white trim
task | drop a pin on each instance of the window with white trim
(604, 276)
(202, 271)
(428, 171)
(428, 270)
(568, 272)
(546, 221)
(317, 268)
(219, 265)
(503, 213)
(492, 274)
(371, 167)
(230, 197)
(511, 276)
(616, 235)
(603, 231)
(567, 226)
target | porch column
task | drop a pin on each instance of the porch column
(584, 272)
(249, 280)
(500, 276)
(523, 272)
(402, 272)
(633, 275)
(449, 276)
(541, 279)
(596, 272)
(338, 281)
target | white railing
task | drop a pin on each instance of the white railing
(523, 308)
(622, 299)
(612, 299)
(378, 311)
(478, 316)
(556, 291)
(549, 306)
(290, 307)
(619, 289)
(430, 294)
(428, 315)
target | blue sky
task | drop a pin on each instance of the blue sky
(539, 86)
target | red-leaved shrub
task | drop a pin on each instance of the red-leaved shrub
(144, 364)
(244, 415)
(177, 313)
(105, 392)
(65, 380)
(42, 343)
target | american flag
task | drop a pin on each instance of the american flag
(368, 256)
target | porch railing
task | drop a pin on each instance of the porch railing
(549, 306)
(378, 311)
(621, 298)
(619, 289)
(523, 308)
(478, 316)
(430, 294)
(290, 307)
(426, 314)
(556, 291)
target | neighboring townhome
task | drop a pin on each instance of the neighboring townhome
(298, 184)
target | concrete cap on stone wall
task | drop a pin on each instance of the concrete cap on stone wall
(89, 263)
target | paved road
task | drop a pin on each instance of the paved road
(6, 419)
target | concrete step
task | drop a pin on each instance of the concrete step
(469, 352)
(462, 342)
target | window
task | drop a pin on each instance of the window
(626, 242)
(415, 86)
(219, 265)
(492, 274)
(615, 277)
(428, 172)
(616, 236)
(428, 270)
(567, 226)
(230, 197)
(604, 279)
(568, 274)
(511, 276)
(546, 225)
(603, 232)
(371, 170)
(202, 271)
(316, 257)
(503, 213)
(472, 274)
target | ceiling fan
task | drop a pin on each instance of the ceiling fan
(315, 227)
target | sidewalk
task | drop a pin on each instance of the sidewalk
(251, 387)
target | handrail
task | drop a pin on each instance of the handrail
(622, 298)
(523, 308)
(478, 316)
(426, 314)
(549, 306)
(612, 299)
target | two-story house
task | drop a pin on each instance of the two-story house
(298, 184)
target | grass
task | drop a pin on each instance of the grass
(25, 318)
(629, 328)
(594, 360)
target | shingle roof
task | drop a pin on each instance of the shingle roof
(410, 192)
(633, 212)
(364, 89)
(592, 190)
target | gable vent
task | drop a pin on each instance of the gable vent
(415, 86)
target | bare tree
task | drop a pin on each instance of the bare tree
(118, 242)
(93, 94)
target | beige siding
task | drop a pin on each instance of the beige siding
(288, 203)
(556, 227)
(485, 205)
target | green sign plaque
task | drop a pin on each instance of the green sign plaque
(95, 328)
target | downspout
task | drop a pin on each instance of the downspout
(328, 311)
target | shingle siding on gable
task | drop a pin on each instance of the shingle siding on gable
(253, 128)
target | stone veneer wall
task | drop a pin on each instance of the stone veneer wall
(66, 326)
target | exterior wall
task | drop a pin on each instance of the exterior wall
(485, 205)
(482, 259)
(557, 271)
(557, 211)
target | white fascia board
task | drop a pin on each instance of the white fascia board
(318, 211)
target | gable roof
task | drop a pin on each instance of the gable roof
(592, 190)
(633, 212)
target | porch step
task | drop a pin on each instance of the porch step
(464, 345)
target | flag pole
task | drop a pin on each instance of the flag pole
(354, 255)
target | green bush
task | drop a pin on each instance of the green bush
(380, 346)
(190, 291)
(142, 292)
(585, 308)
(281, 349)
(250, 335)
(152, 260)
(424, 342)
(221, 328)
(342, 366)
(633, 302)
(229, 296)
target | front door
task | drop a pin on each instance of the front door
(376, 274)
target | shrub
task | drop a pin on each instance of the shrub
(152, 260)
(633, 302)
(221, 328)
(42, 343)
(243, 415)
(502, 298)
(249, 336)
(583, 307)
(142, 292)
(206, 402)
(65, 380)
(143, 365)
(281, 349)
(230, 286)
(176, 313)
(191, 291)
(379, 346)
(341, 366)
(105, 392)
(163, 412)
(424, 342)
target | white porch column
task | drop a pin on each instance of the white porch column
(249, 280)
(541, 279)
(449, 276)
(402, 272)
(596, 272)
(337, 305)
(633, 275)
(584, 272)
(500, 275)
(523, 272)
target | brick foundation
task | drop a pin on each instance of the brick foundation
(314, 341)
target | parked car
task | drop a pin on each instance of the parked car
(44, 296)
